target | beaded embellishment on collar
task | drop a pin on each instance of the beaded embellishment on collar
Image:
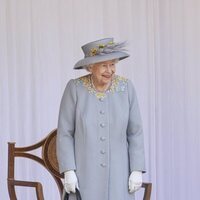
(118, 84)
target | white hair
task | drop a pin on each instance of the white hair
(87, 67)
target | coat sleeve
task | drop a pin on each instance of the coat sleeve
(66, 129)
(135, 133)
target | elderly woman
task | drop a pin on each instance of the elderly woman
(100, 144)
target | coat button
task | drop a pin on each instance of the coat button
(102, 138)
(103, 151)
(102, 112)
(101, 99)
(102, 125)
(103, 164)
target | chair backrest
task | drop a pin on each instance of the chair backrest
(47, 160)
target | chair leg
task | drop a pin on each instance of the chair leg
(11, 191)
(147, 191)
(39, 192)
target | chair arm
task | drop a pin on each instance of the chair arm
(36, 185)
(147, 190)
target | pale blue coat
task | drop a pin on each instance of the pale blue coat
(100, 136)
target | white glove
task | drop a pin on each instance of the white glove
(70, 181)
(135, 181)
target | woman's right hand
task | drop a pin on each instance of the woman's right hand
(70, 181)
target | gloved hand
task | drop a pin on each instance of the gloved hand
(70, 181)
(135, 181)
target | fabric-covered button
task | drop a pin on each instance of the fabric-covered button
(103, 151)
(102, 112)
(102, 138)
(103, 164)
(102, 125)
(101, 99)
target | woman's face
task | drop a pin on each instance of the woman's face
(103, 72)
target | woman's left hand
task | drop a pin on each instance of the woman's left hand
(135, 181)
(70, 181)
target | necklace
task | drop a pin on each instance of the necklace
(92, 83)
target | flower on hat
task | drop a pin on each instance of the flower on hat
(101, 46)
(93, 52)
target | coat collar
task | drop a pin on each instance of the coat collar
(118, 84)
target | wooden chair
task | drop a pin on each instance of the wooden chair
(47, 160)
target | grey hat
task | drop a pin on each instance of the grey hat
(101, 50)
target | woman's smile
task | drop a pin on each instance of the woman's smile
(107, 76)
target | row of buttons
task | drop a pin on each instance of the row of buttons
(103, 152)
(102, 138)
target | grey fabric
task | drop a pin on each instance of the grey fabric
(102, 156)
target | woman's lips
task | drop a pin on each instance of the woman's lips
(107, 76)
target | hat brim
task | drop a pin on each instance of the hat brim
(83, 63)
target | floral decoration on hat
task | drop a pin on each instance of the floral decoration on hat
(110, 47)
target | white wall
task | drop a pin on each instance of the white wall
(40, 42)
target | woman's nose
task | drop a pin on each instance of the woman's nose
(109, 69)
